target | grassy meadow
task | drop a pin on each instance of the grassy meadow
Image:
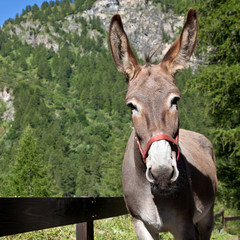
(120, 228)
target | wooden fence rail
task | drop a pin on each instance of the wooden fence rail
(225, 219)
(19, 215)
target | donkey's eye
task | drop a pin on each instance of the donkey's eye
(175, 100)
(173, 103)
(133, 107)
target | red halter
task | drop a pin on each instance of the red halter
(154, 139)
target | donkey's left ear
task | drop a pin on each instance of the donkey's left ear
(178, 55)
(122, 54)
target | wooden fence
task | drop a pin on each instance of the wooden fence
(19, 215)
(225, 219)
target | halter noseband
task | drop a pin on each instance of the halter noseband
(154, 139)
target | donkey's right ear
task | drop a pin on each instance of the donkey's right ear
(122, 54)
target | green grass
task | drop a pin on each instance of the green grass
(120, 228)
(114, 228)
(59, 233)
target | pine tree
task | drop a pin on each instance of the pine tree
(29, 176)
(44, 70)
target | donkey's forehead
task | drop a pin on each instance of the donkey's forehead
(151, 81)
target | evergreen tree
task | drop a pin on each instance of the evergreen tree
(44, 5)
(44, 70)
(23, 64)
(35, 12)
(29, 176)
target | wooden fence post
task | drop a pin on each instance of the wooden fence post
(84, 231)
(223, 220)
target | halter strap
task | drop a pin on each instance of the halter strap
(154, 139)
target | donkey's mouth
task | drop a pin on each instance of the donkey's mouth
(158, 190)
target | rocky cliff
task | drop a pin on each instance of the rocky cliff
(146, 26)
(7, 98)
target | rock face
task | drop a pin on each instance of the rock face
(8, 98)
(146, 26)
(35, 34)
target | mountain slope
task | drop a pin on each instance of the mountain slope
(68, 92)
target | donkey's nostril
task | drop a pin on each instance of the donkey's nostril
(175, 174)
(172, 174)
(149, 175)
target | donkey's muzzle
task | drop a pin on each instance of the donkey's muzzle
(161, 165)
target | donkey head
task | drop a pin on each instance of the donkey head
(152, 97)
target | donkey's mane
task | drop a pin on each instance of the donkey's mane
(149, 56)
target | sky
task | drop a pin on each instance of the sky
(9, 8)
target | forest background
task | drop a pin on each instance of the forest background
(65, 126)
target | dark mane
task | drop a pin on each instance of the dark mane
(148, 59)
(149, 56)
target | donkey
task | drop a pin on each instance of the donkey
(169, 174)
